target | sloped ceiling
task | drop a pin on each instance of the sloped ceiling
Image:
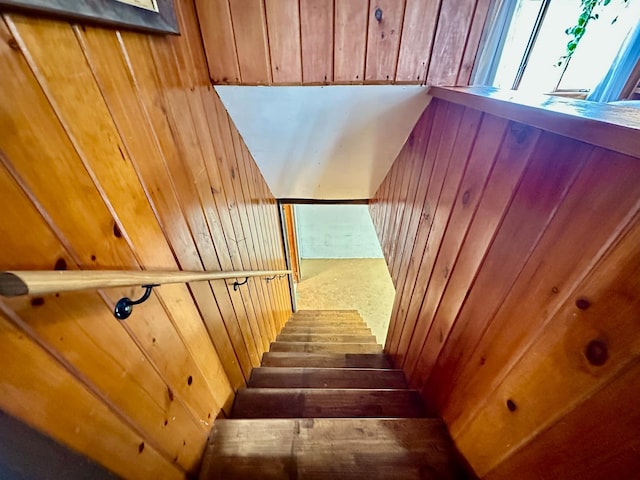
(314, 42)
(332, 143)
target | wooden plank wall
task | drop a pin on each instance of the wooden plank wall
(322, 42)
(515, 254)
(116, 153)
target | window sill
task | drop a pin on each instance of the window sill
(605, 125)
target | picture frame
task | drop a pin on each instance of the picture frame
(154, 16)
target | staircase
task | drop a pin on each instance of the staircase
(327, 404)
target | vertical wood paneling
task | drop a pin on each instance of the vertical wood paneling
(457, 206)
(443, 190)
(250, 29)
(544, 185)
(473, 41)
(420, 19)
(580, 446)
(459, 273)
(414, 218)
(452, 31)
(515, 292)
(128, 113)
(127, 198)
(555, 260)
(83, 321)
(350, 40)
(383, 39)
(283, 23)
(116, 153)
(538, 385)
(419, 174)
(68, 412)
(331, 41)
(178, 221)
(214, 17)
(316, 30)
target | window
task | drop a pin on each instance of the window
(532, 39)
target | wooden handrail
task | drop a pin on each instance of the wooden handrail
(15, 283)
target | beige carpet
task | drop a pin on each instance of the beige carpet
(362, 284)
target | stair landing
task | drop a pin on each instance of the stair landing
(334, 408)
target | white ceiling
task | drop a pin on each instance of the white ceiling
(335, 142)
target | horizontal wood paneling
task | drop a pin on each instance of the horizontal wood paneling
(516, 275)
(116, 153)
(315, 42)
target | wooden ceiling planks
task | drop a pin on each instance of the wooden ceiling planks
(324, 42)
(283, 22)
(420, 21)
(316, 29)
(473, 41)
(351, 24)
(219, 42)
(250, 28)
(383, 39)
(454, 24)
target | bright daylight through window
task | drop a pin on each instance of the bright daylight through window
(530, 39)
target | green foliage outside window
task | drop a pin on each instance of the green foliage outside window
(578, 30)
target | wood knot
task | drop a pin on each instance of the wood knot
(378, 15)
(520, 132)
(511, 405)
(597, 353)
(583, 303)
(61, 264)
(13, 44)
(37, 301)
(465, 197)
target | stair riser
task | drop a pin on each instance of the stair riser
(325, 325)
(325, 360)
(339, 403)
(326, 378)
(315, 347)
(326, 338)
(325, 331)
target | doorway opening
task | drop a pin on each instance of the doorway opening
(337, 261)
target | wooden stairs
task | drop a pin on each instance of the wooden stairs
(327, 404)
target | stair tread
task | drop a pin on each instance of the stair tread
(328, 360)
(321, 347)
(339, 402)
(298, 377)
(327, 403)
(330, 448)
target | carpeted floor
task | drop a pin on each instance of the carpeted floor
(363, 284)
